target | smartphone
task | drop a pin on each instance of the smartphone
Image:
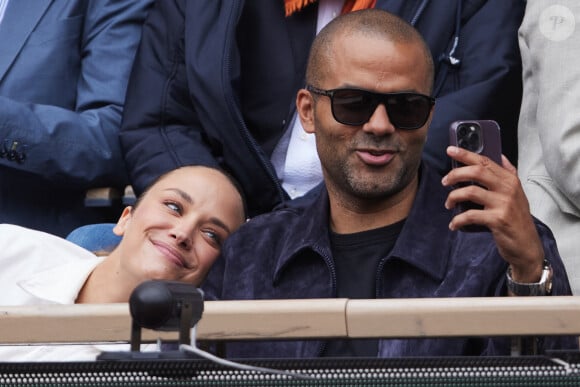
(478, 136)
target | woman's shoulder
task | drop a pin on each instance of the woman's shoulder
(26, 243)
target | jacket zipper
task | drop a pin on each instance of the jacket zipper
(236, 113)
(330, 265)
(420, 10)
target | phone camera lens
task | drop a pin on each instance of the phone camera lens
(468, 137)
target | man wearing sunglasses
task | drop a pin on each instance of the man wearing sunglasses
(381, 225)
(214, 83)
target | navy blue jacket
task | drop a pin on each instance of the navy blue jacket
(215, 82)
(286, 254)
(64, 67)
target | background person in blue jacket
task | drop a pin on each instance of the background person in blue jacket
(381, 225)
(64, 66)
(214, 83)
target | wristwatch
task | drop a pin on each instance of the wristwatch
(541, 288)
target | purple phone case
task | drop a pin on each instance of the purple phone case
(491, 138)
(490, 147)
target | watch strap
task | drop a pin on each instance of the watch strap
(540, 288)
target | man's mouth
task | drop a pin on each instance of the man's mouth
(375, 157)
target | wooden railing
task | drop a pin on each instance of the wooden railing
(300, 319)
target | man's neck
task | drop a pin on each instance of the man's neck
(349, 215)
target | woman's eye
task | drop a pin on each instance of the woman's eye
(173, 206)
(213, 236)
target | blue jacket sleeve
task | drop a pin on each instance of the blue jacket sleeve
(76, 142)
(486, 84)
(560, 287)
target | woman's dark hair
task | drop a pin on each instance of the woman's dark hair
(232, 180)
(107, 251)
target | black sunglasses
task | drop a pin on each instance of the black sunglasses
(355, 107)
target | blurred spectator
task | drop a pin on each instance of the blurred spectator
(64, 66)
(549, 126)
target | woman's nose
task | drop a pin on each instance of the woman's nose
(183, 236)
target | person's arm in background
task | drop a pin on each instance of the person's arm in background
(551, 50)
(160, 128)
(486, 84)
(183, 104)
(549, 126)
(77, 144)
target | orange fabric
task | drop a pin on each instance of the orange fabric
(355, 5)
(292, 6)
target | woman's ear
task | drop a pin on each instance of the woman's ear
(124, 219)
(305, 109)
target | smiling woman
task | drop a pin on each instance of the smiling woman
(174, 232)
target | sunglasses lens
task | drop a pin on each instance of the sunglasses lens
(408, 110)
(405, 110)
(353, 107)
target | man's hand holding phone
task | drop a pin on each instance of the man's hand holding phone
(505, 210)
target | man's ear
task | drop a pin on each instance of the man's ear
(124, 219)
(305, 109)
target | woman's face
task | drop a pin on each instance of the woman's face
(177, 229)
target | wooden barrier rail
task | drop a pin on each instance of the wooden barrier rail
(303, 319)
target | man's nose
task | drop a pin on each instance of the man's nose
(379, 124)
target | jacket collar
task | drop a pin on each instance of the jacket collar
(423, 242)
(311, 229)
(20, 19)
(62, 283)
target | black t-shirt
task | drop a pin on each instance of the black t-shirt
(356, 259)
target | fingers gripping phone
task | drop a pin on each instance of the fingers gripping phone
(478, 136)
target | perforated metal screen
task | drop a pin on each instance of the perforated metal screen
(561, 369)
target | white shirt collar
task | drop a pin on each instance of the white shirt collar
(60, 284)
